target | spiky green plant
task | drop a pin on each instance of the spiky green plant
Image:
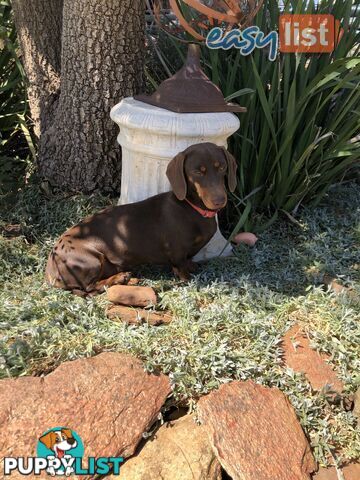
(301, 131)
(15, 139)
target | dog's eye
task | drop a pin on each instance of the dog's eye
(198, 172)
(222, 168)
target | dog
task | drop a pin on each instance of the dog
(166, 229)
(59, 441)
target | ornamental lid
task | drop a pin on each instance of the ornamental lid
(190, 90)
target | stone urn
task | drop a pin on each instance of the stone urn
(150, 135)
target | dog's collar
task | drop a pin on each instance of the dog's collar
(204, 213)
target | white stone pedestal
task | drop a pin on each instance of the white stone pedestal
(151, 136)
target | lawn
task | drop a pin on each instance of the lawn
(228, 321)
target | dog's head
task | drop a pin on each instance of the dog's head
(199, 173)
(59, 441)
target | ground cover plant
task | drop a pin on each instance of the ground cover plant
(228, 321)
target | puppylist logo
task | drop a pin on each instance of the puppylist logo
(60, 452)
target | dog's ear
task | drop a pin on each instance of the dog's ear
(176, 176)
(231, 171)
(49, 440)
(67, 432)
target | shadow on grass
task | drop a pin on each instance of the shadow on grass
(42, 217)
(287, 258)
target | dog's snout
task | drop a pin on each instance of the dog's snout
(219, 201)
(71, 441)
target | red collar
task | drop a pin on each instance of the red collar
(203, 213)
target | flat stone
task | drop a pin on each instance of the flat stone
(356, 410)
(109, 400)
(12, 230)
(350, 472)
(302, 358)
(132, 295)
(255, 433)
(179, 450)
(336, 287)
(246, 237)
(137, 316)
(331, 282)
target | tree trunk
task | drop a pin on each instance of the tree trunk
(101, 62)
(102, 53)
(39, 24)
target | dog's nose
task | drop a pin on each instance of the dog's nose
(219, 202)
(71, 441)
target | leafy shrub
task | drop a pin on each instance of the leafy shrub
(299, 134)
(14, 134)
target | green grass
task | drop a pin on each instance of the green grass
(228, 321)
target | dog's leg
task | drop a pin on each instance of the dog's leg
(192, 266)
(119, 279)
(79, 293)
(182, 272)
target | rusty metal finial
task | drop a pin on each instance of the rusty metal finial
(190, 90)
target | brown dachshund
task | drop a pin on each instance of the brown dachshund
(169, 228)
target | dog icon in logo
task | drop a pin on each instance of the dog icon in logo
(62, 443)
(59, 441)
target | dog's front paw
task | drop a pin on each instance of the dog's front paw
(192, 266)
(182, 273)
(121, 278)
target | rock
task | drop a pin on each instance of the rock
(109, 400)
(179, 450)
(255, 433)
(352, 471)
(349, 472)
(356, 410)
(302, 358)
(132, 295)
(331, 282)
(336, 287)
(245, 237)
(176, 413)
(137, 316)
(12, 230)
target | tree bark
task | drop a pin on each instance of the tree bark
(39, 25)
(102, 62)
(94, 50)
